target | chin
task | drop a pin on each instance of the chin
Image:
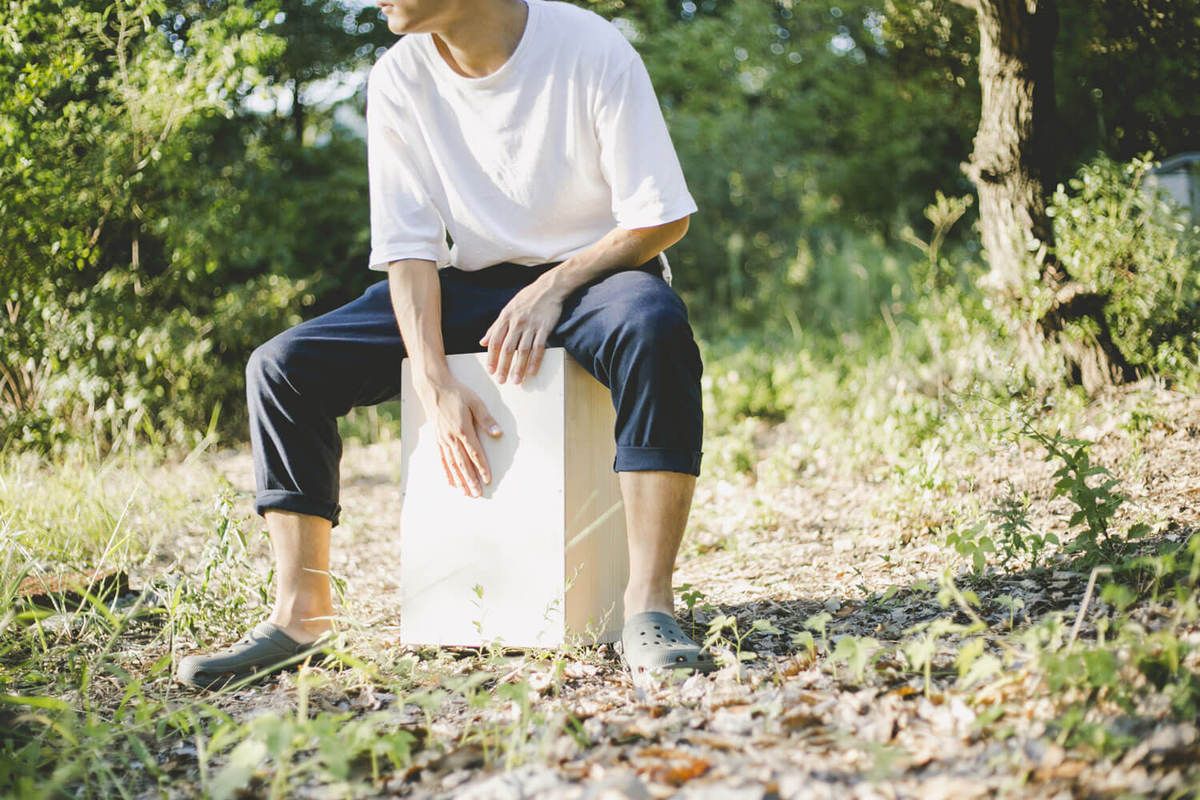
(401, 23)
(401, 27)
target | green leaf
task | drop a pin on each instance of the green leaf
(804, 639)
(817, 622)
(982, 668)
(967, 654)
(1101, 667)
(243, 762)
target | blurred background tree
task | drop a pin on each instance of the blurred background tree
(181, 179)
(1018, 146)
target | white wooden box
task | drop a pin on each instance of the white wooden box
(539, 559)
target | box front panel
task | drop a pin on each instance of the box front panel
(479, 569)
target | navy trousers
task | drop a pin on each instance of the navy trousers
(627, 328)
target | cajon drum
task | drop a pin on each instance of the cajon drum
(539, 559)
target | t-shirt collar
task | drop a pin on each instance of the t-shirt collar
(491, 79)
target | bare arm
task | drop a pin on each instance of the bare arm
(417, 302)
(620, 248)
(454, 408)
(516, 341)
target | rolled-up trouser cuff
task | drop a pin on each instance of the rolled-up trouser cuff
(285, 500)
(672, 459)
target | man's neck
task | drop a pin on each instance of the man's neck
(481, 40)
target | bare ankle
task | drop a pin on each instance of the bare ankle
(303, 624)
(637, 601)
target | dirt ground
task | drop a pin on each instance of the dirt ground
(783, 545)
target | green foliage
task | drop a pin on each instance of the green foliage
(1119, 239)
(972, 543)
(154, 228)
(1015, 533)
(751, 382)
(1092, 490)
(142, 359)
(919, 651)
(87, 702)
(1124, 69)
(145, 200)
(847, 143)
(224, 589)
(326, 748)
(1133, 673)
(97, 103)
(1120, 671)
(1007, 535)
(723, 632)
(691, 597)
(975, 664)
(858, 653)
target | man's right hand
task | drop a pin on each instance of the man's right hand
(455, 410)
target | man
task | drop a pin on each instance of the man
(529, 131)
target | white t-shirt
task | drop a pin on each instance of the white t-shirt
(532, 163)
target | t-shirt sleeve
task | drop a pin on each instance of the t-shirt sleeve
(636, 153)
(404, 222)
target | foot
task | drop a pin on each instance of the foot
(265, 650)
(641, 600)
(303, 631)
(652, 642)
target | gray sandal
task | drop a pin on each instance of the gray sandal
(653, 641)
(263, 651)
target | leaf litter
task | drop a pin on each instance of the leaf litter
(841, 571)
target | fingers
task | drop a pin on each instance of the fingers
(495, 341)
(463, 458)
(516, 339)
(521, 356)
(466, 469)
(508, 347)
(450, 478)
(478, 460)
(486, 420)
(454, 473)
(536, 353)
(467, 466)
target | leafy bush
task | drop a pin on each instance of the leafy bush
(1131, 245)
(155, 228)
(134, 359)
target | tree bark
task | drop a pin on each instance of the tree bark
(297, 113)
(1012, 156)
(1011, 165)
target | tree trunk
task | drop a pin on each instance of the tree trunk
(1011, 165)
(297, 113)
(1012, 157)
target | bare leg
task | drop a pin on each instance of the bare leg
(657, 503)
(303, 601)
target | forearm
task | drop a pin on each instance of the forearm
(416, 294)
(620, 248)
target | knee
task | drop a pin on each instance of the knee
(269, 362)
(657, 322)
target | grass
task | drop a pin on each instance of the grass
(86, 700)
(916, 409)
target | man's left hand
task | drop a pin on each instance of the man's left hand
(516, 341)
